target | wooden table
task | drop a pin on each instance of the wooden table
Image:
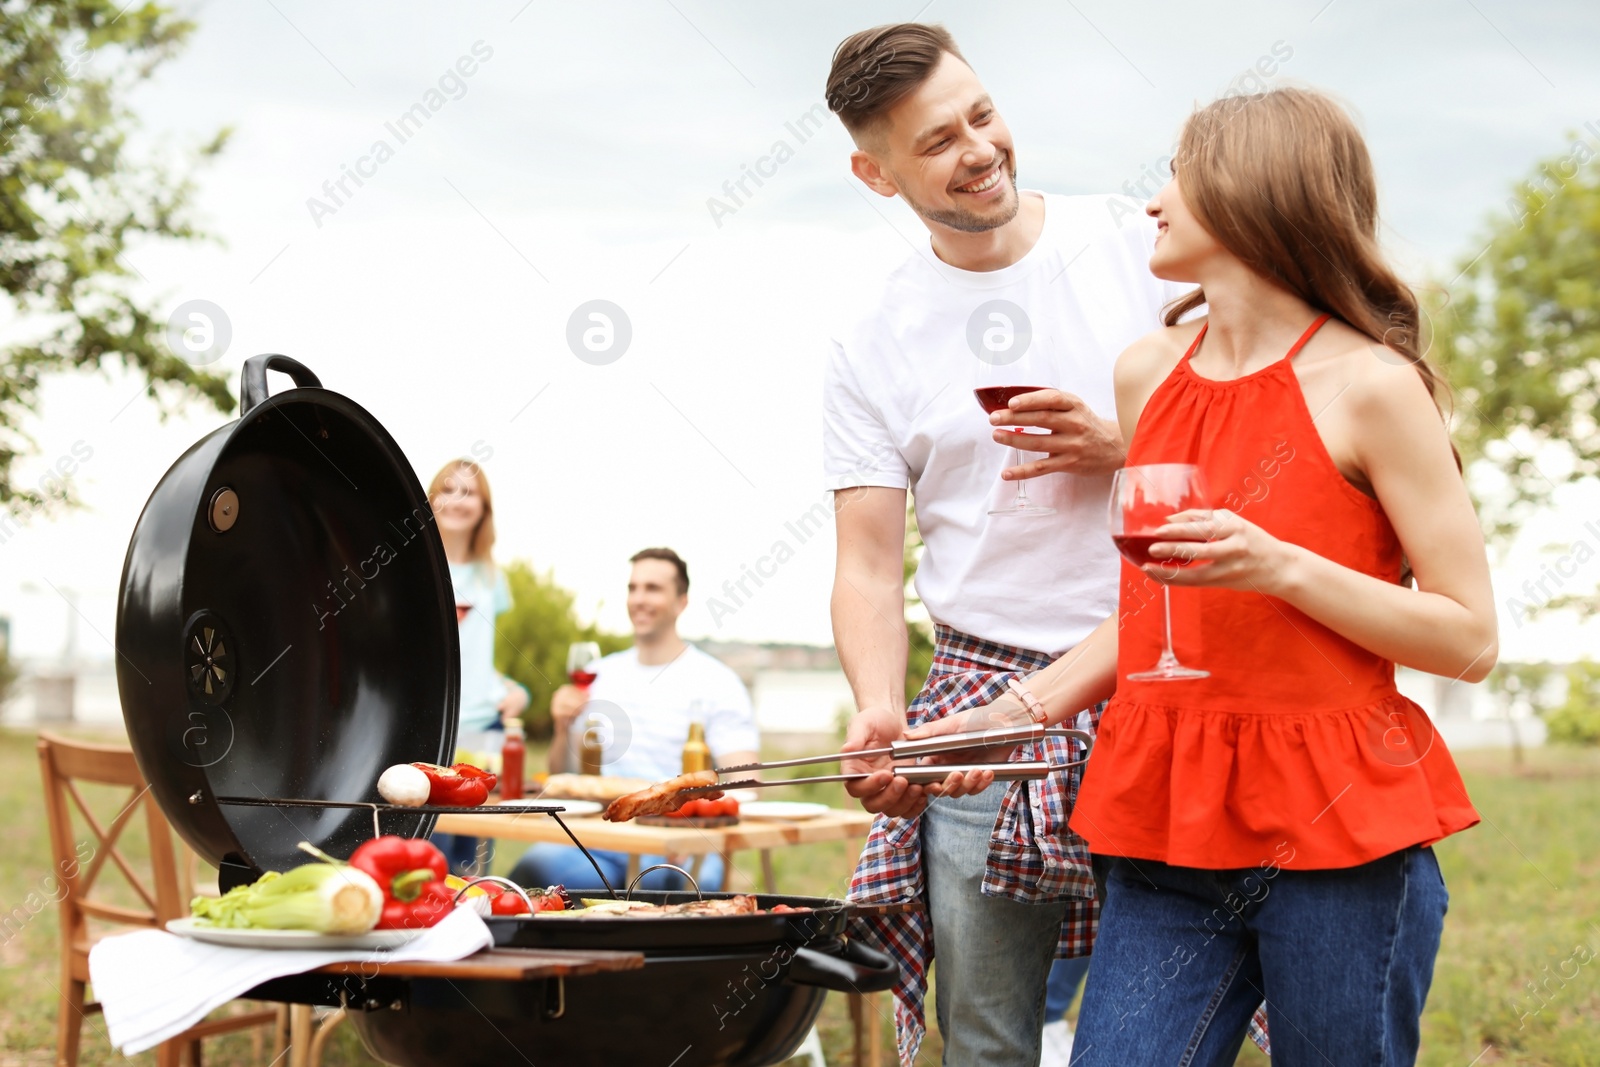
(760, 835)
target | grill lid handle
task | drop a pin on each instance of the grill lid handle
(253, 384)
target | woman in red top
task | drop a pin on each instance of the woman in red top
(1264, 832)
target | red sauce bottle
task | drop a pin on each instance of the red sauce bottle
(511, 761)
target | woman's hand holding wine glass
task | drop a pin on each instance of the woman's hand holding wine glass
(1236, 553)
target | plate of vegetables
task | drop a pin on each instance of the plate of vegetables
(391, 891)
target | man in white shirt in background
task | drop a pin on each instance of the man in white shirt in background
(646, 696)
(1014, 288)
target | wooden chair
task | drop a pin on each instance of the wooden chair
(78, 863)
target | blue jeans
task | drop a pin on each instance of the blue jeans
(461, 852)
(1343, 959)
(1065, 978)
(992, 954)
(545, 865)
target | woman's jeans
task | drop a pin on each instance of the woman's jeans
(1343, 959)
(546, 865)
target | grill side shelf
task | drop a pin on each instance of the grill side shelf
(384, 808)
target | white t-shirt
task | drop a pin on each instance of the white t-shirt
(899, 411)
(656, 706)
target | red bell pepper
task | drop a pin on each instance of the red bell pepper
(461, 786)
(411, 874)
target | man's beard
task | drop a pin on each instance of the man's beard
(968, 221)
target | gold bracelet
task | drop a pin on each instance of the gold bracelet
(1030, 703)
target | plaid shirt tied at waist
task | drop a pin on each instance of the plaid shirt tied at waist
(1033, 856)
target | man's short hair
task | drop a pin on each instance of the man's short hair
(669, 556)
(876, 69)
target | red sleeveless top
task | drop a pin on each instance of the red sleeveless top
(1298, 750)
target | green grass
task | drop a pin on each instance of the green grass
(1525, 908)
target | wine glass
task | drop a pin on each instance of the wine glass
(581, 657)
(994, 397)
(1143, 498)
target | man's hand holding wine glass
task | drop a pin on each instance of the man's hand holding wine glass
(565, 704)
(1075, 439)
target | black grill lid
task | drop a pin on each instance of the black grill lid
(286, 628)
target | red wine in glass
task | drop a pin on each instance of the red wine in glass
(994, 398)
(1143, 499)
(1136, 550)
(581, 657)
(462, 610)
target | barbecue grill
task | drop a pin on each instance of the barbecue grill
(286, 630)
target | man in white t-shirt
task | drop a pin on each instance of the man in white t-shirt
(1015, 288)
(645, 698)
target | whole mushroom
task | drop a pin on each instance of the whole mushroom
(404, 785)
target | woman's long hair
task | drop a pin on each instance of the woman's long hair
(481, 548)
(1282, 180)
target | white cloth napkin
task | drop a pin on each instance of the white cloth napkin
(154, 985)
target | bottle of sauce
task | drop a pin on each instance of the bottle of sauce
(696, 753)
(512, 755)
(590, 749)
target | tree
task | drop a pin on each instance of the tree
(1576, 720)
(72, 201)
(9, 673)
(532, 638)
(919, 635)
(1519, 340)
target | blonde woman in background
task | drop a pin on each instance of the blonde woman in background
(463, 509)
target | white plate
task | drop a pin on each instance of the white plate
(251, 938)
(790, 810)
(574, 807)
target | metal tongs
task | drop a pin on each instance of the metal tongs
(923, 773)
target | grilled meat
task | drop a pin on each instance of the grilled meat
(741, 904)
(661, 798)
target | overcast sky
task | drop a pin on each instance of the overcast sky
(576, 162)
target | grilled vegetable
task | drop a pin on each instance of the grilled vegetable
(554, 898)
(474, 897)
(461, 786)
(405, 785)
(324, 897)
(704, 808)
(411, 876)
